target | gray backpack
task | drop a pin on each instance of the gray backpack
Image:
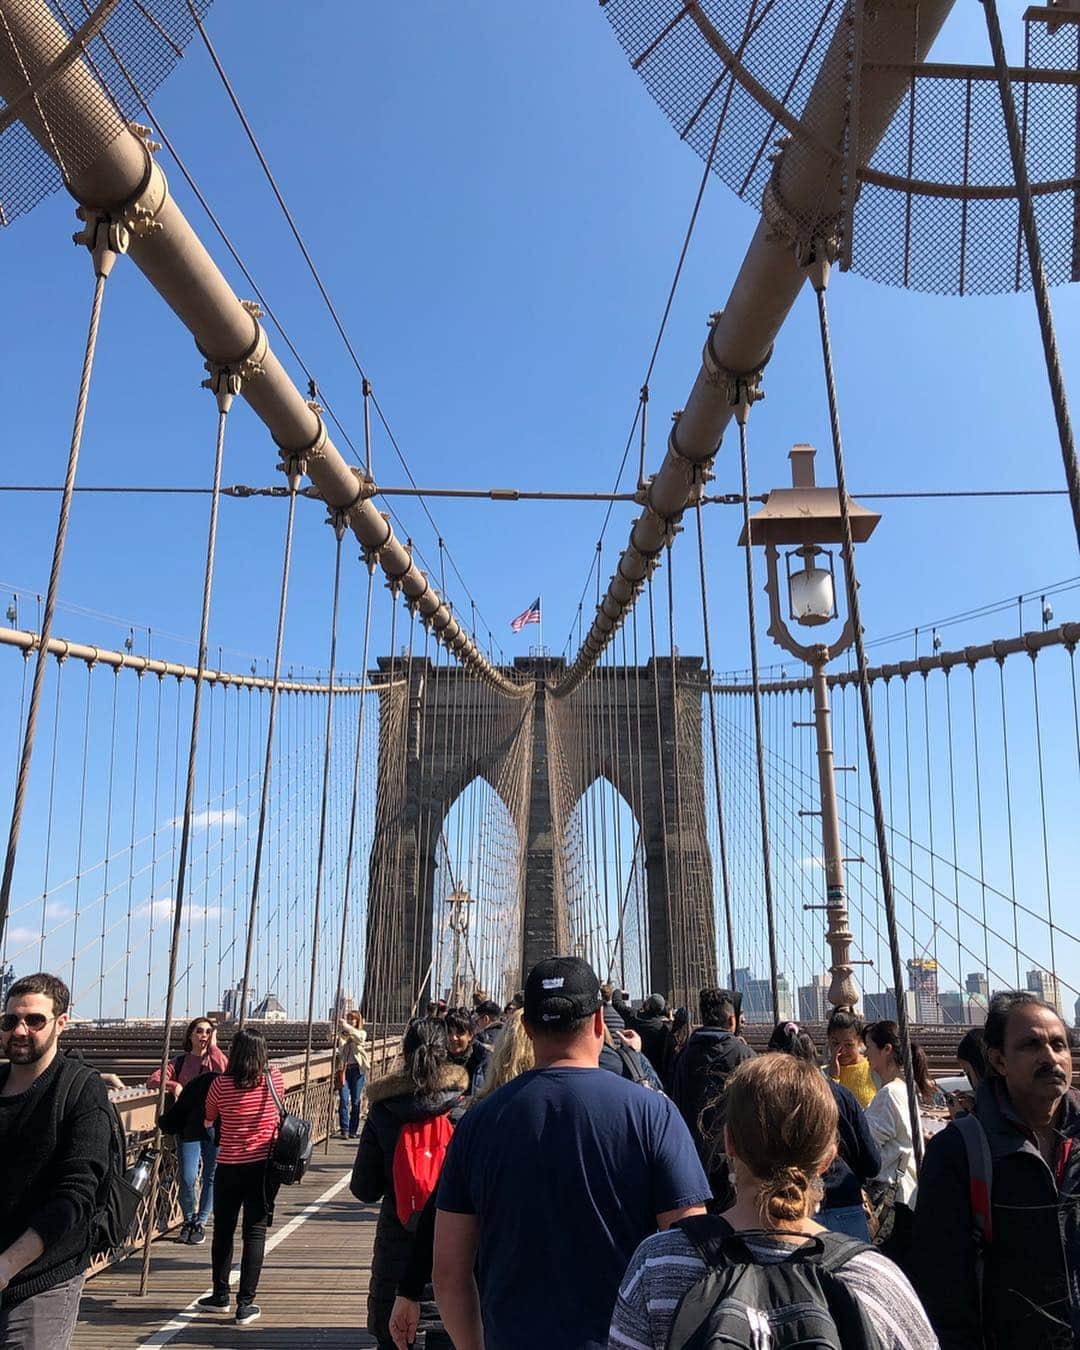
(743, 1303)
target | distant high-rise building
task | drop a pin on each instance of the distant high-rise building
(757, 1004)
(977, 983)
(1043, 984)
(814, 1000)
(7, 979)
(757, 1001)
(881, 1007)
(923, 982)
(959, 1008)
(230, 1002)
(1076, 1013)
(345, 1004)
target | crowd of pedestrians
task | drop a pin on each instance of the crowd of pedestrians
(569, 1172)
(624, 1177)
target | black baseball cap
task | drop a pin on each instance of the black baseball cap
(560, 990)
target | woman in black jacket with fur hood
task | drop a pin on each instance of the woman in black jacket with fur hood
(426, 1086)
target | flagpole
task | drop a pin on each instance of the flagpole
(541, 608)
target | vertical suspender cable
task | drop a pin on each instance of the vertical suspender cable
(226, 388)
(320, 857)
(820, 278)
(724, 875)
(350, 847)
(105, 242)
(295, 472)
(741, 415)
(1040, 288)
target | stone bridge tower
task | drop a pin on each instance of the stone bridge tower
(440, 729)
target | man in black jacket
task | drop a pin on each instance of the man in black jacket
(1031, 1263)
(710, 1056)
(650, 1023)
(54, 1154)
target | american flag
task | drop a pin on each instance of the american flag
(531, 615)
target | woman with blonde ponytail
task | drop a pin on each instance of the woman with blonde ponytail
(779, 1136)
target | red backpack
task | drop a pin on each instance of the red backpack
(418, 1159)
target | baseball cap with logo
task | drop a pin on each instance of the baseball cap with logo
(559, 991)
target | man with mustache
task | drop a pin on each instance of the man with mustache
(54, 1154)
(1017, 1288)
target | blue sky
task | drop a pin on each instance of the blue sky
(496, 205)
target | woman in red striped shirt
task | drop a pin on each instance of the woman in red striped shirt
(240, 1099)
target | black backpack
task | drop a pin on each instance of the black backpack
(741, 1303)
(117, 1200)
(290, 1151)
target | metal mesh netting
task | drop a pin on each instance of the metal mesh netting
(50, 48)
(935, 207)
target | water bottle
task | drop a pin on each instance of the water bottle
(139, 1177)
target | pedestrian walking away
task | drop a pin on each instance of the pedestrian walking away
(411, 1115)
(195, 1145)
(765, 1266)
(242, 1101)
(857, 1159)
(651, 1024)
(552, 1181)
(711, 1055)
(55, 1132)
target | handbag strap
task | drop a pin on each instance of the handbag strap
(274, 1093)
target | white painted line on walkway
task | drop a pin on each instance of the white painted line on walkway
(193, 1312)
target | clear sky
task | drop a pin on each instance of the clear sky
(496, 205)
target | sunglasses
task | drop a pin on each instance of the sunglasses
(33, 1021)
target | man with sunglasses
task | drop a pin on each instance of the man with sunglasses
(54, 1154)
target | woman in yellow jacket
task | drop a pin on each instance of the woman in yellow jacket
(847, 1059)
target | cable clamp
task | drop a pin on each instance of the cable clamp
(366, 487)
(106, 238)
(294, 466)
(337, 517)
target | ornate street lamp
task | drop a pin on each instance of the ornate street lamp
(800, 520)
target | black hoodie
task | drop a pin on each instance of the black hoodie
(392, 1103)
(708, 1058)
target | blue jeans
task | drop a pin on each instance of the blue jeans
(848, 1219)
(190, 1153)
(349, 1104)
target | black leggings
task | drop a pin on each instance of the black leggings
(241, 1186)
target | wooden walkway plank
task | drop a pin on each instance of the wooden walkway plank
(313, 1290)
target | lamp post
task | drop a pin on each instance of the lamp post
(459, 901)
(802, 518)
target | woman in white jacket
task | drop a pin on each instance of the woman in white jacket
(354, 1060)
(889, 1118)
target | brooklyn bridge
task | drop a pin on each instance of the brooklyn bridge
(795, 710)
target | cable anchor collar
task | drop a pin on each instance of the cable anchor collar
(106, 238)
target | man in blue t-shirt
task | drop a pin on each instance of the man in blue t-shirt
(551, 1182)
